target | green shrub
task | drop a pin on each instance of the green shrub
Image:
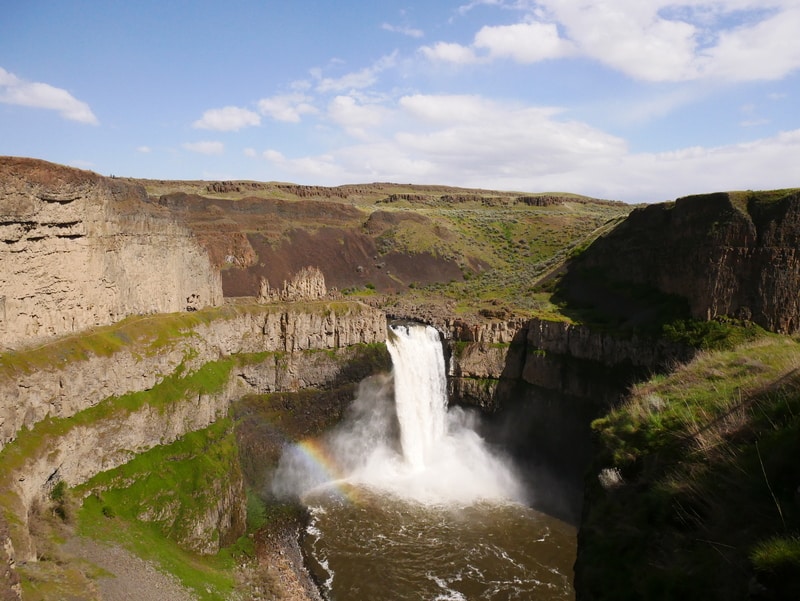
(717, 334)
(58, 495)
(777, 554)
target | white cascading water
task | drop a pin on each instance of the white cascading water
(420, 391)
(440, 457)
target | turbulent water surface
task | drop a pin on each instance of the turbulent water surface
(383, 548)
(407, 501)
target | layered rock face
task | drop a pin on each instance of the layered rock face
(543, 382)
(556, 356)
(79, 250)
(307, 284)
(728, 254)
(210, 357)
(58, 390)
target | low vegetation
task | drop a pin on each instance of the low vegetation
(433, 244)
(516, 248)
(155, 501)
(699, 491)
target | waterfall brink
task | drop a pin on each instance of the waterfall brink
(420, 390)
(407, 444)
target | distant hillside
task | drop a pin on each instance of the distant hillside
(431, 244)
(372, 193)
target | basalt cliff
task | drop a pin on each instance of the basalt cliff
(203, 325)
(80, 250)
(725, 254)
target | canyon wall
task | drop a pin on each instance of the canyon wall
(79, 250)
(60, 380)
(542, 383)
(727, 254)
(94, 410)
(556, 356)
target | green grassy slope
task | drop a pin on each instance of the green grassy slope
(696, 494)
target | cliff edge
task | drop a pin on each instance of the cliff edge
(79, 250)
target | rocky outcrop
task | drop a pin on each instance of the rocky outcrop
(228, 187)
(727, 254)
(557, 356)
(54, 383)
(307, 284)
(76, 454)
(79, 250)
(10, 588)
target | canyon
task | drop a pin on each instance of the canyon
(136, 313)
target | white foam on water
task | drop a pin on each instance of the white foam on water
(320, 558)
(447, 594)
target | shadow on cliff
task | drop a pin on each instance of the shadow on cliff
(724, 255)
(587, 292)
(548, 437)
(546, 431)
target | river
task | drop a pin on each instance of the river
(408, 502)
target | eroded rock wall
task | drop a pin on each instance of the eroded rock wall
(79, 250)
(307, 284)
(727, 254)
(59, 389)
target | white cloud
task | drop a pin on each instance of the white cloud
(229, 118)
(205, 147)
(465, 8)
(473, 134)
(143, 149)
(355, 118)
(409, 31)
(657, 41)
(363, 78)
(250, 152)
(14, 90)
(477, 142)
(631, 37)
(274, 156)
(760, 164)
(439, 109)
(449, 53)
(287, 107)
(523, 42)
(460, 140)
(767, 50)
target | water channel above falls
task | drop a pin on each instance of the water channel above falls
(408, 502)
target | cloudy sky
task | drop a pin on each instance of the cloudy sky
(638, 100)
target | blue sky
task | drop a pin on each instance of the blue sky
(637, 100)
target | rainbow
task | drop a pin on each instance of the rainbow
(325, 469)
(320, 464)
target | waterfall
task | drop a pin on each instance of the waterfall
(420, 390)
(410, 446)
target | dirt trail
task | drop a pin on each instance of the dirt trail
(130, 577)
